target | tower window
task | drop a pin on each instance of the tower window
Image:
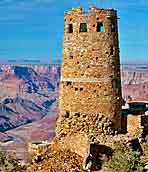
(83, 27)
(68, 83)
(76, 89)
(100, 27)
(70, 28)
(111, 50)
(77, 114)
(67, 114)
(81, 89)
(113, 28)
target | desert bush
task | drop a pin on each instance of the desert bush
(123, 160)
(9, 163)
(145, 149)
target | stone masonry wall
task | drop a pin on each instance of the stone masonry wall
(133, 124)
(90, 88)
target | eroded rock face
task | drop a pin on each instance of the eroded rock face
(27, 92)
(134, 82)
(23, 79)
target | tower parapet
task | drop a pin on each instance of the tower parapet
(90, 89)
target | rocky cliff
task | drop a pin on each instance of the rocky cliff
(27, 93)
(135, 82)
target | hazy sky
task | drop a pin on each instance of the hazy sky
(33, 29)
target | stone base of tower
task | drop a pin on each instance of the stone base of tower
(76, 153)
(92, 124)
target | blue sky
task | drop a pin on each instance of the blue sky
(33, 29)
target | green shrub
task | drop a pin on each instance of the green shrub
(9, 163)
(123, 160)
(145, 149)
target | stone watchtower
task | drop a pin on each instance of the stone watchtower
(90, 88)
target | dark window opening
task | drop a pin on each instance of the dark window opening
(94, 25)
(71, 57)
(77, 62)
(95, 91)
(67, 114)
(81, 89)
(83, 27)
(111, 50)
(100, 27)
(77, 114)
(70, 19)
(113, 27)
(84, 116)
(70, 28)
(97, 18)
(68, 83)
(76, 89)
(88, 66)
(97, 58)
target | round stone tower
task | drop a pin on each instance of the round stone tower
(90, 87)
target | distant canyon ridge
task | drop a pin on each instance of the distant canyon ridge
(134, 82)
(29, 100)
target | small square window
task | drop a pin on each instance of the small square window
(81, 89)
(77, 114)
(76, 89)
(67, 114)
(100, 27)
(70, 28)
(68, 83)
(83, 27)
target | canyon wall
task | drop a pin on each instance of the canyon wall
(135, 82)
